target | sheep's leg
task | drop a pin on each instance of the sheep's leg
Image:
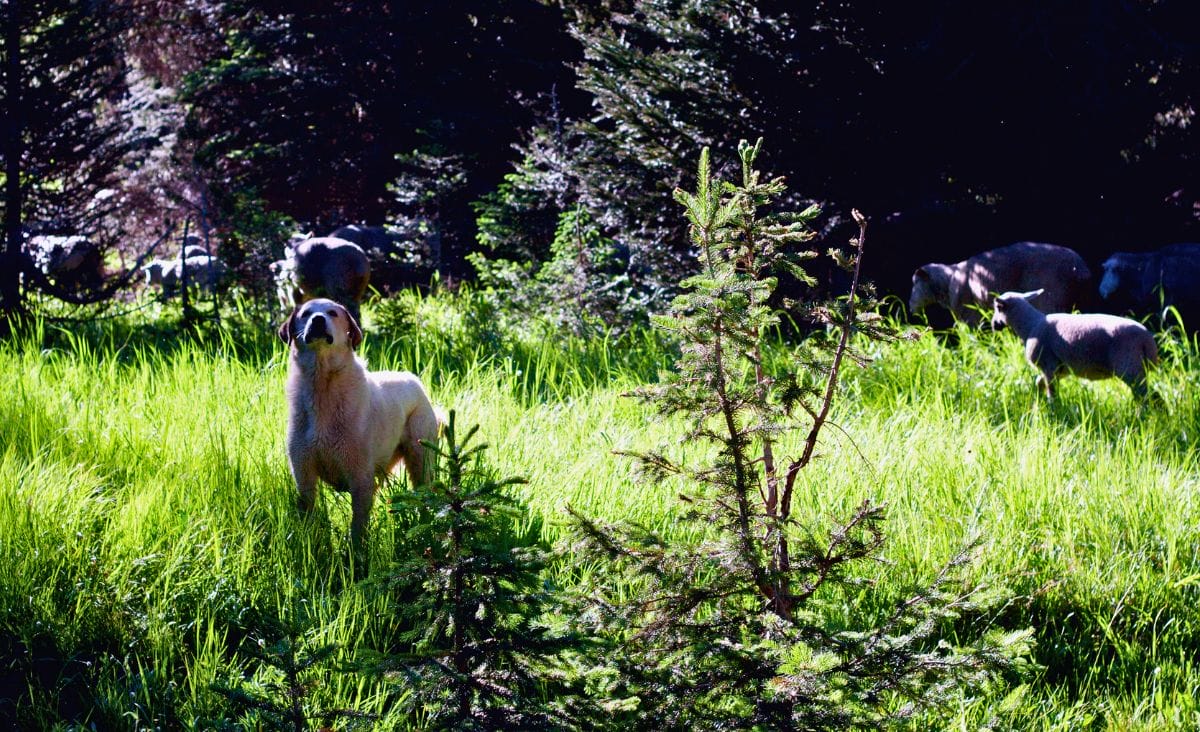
(1044, 360)
(1130, 366)
(1045, 380)
(1138, 383)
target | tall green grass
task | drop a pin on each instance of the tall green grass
(148, 529)
(1089, 505)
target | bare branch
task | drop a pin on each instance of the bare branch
(831, 382)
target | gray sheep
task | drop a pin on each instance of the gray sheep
(1146, 283)
(1091, 345)
(1060, 273)
(394, 260)
(203, 271)
(328, 267)
(283, 273)
(73, 262)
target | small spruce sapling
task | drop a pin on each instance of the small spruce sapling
(468, 585)
(736, 629)
(281, 697)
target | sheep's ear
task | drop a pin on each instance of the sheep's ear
(1033, 293)
(921, 274)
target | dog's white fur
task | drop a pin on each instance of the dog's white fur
(346, 425)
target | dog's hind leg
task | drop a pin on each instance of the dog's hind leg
(422, 426)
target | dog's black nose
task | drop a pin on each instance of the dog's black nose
(317, 329)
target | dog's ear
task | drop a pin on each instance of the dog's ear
(355, 333)
(286, 328)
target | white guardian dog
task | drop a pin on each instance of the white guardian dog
(346, 425)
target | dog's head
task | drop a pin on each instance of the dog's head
(320, 323)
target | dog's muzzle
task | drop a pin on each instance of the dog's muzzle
(317, 330)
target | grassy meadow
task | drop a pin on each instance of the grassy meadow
(149, 537)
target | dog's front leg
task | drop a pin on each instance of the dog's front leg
(305, 474)
(414, 463)
(362, 498)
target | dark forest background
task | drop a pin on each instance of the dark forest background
(534, 145)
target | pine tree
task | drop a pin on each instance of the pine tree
(319, 111)
(289, 671)
(734, 630)
(65, 144)
(469, 586)
(664, 79)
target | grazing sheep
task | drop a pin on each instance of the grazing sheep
(394, 260)
(331, 268)
(193, 246)
(158, 272)
(367, 237)
(73, 262)
(204, 272)
(283, 273)
(1091, 345)
(1146, 283)
(1060, 273)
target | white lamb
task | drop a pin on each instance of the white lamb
(1092, 346)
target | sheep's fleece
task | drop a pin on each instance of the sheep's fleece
(1059, 273)
(1091, 345)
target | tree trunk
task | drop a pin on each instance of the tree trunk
(10, 258)
(185, 304)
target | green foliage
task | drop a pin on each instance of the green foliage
(254, 238)
(426, 191)
(469, 587)
(67, 146)
(369, 112)
(580, 288)
(514, 222)
(456, 334)
(660, 81)
(281, 700)
(148, 525)
(738, 629)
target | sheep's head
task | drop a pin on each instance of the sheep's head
(1002, 305)
(928, 288)
(1120, 270)
(154, 272)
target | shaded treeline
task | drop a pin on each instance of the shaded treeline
(552, 132)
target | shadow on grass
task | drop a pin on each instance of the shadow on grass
(165, 336)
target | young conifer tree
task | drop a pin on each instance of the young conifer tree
(290, 670)
(468, 584)
(736, 629)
